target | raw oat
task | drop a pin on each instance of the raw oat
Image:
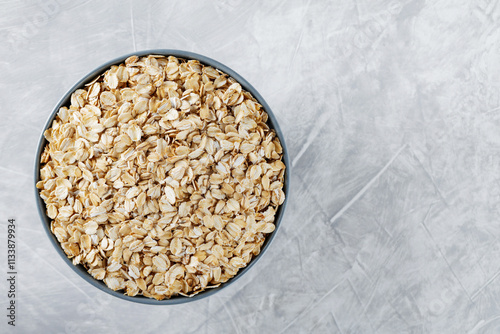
(162, 177)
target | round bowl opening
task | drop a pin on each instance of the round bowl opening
(65, 101)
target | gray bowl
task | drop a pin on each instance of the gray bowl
(65, 101)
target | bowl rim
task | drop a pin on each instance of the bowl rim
(65, 100)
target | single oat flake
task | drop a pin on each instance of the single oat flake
(162, 177)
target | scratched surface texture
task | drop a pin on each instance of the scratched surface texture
(391, 113)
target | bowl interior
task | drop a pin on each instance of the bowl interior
(65, 101)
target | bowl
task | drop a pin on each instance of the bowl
(65, 101)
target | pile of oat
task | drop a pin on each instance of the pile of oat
(162, 177)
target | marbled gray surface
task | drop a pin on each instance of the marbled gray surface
(391, 113)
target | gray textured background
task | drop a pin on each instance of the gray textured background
(391, 113)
